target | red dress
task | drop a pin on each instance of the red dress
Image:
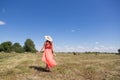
(48, 57)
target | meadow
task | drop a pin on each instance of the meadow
(28, 66)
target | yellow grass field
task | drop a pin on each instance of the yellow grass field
(28, 66)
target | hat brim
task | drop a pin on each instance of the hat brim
(49, 38)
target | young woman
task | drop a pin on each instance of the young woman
(48, 54)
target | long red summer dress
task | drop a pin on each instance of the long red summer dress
(48, 57)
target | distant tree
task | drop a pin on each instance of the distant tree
(29, 46)
(17, 48)
(6, 46)
(119, 51)
(1, 48)
(74, 53)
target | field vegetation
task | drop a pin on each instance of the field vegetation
(28, 66)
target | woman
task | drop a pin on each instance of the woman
(48, 55)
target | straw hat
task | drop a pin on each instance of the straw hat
(49, 38)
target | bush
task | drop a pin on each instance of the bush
(29, 46)
(6, 46)
(17, 48)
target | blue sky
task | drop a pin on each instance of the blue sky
(75, 25)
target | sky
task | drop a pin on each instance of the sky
(74, 25)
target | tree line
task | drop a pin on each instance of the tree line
(8, 46)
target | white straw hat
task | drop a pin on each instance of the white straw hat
(49, 38)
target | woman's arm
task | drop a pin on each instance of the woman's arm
(53, 50)
(42, 49)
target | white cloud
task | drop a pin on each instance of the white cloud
(102, 48)
(96, 42)
(72, 30)
(2, 23)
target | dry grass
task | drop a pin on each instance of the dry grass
(69, 67)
